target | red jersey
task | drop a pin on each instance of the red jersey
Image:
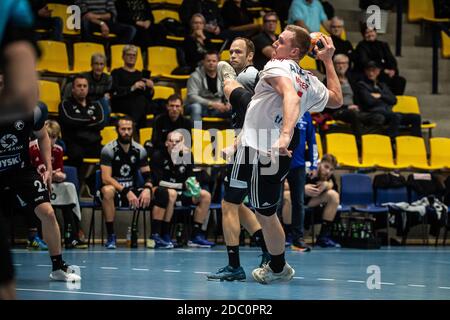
(36, 160)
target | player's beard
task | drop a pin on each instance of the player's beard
(124, 139)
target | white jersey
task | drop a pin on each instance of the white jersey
(264, 117)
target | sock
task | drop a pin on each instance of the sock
(325, 229)
(110, 228)
(197, 229)
(287, 229)
(277, 263)
(156, 226)
(233, 256)
(259, 238)
(165, 228)
(58, 263)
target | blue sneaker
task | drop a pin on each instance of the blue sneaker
(228, 273)
(111, 243)
(265, 259)
(37, 243)
(199, 241)
(160, 243)
(166, 238)
(326, 242)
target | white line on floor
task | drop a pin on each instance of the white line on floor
(43, 265)
(98, 294)
(17, 264)
(388, 283)
(299, 278)
(138, 269)
(166, 270)
(355, 281)
(447, 288)
(325, 279)
(109, 268)
(201, 272)
(416, 285)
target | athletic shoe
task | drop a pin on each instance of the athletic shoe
(37, 244)
(300, 245)
(228, 273)
(160, 243)
(326, 242)
(67, 276)
(166, 238)
(199, 241)
(265, 259)
(265, 275)
(76, 244)
(225, 71)
(111, 243)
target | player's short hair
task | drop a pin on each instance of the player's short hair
(53, 128)
(248, 43)
(329, 158)
(124, 118)
(302, 39)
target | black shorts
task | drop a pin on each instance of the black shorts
(28, 187)
(235, 183)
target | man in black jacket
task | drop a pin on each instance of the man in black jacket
(377, 98)
(81, 122)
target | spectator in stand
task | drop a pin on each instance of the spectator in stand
(132, 91)
(237, 18)
(214, 26)
(169, 121)
(336, 30)
(264, 40)
(100, 16)
(196, 44)
(44, 20)
(81, 121)
(138, 14)
(204, 91)
(64, 194)
(371, 49)
(350, 111)
(320, 190)
(378, 99)
(308, 14)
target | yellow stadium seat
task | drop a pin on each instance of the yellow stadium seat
(440, 152)
(150, 116)
(445, 45)
(60, 10)
(184, 93)
(82, 53)
(162, 61)
(162, 92)
(156, 1)
(50, 94)
(411, 152)
(319, 145)
(117, 61)
(108, 134)
(410, 104)
(162, 14)
(420, 9)
(225, 55)
(377, 151)
(174, 2)
(145, 134)
(308, 63)
(54, 57)
(343, 147)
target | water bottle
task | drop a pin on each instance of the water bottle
(134, 237)
(68, 233)
(179, 234)
(129, 237)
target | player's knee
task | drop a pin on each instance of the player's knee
(108, 192)
(205, 196)
(172, 195)
(45, 212)
(161, 198)
(333, 196)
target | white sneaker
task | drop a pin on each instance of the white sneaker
(225, 71)
(61, 275)
(265, 274)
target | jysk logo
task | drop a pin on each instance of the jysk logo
(8, 141)
(10, 161)
(19, 125)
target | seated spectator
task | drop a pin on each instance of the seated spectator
(176, 185)
(44, 20)
(196, 44)
(371, 49)
(120, 162)
(100, 83)
(322, 190)
(361, 122)
(264, 40)
(237, 18)
(308, 14)
(81, 121)
(214, 26)
(204, 91)
(336, 30)
(137, 13)
(169, 121)
(377, 98)
(64, 194)
(132, 92)
(100, 16)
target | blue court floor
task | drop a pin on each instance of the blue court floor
(405, 273)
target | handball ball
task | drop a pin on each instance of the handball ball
(315, 40)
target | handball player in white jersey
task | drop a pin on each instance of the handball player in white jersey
(283, 94)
